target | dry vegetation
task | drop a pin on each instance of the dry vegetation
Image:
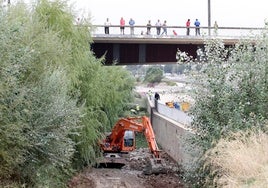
(242, 161)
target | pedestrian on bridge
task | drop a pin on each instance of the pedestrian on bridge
(164, 26)
(106, 26)
(197, 27)
(149, 25)
(158, 27)
(122, 26)
(131, 23)
(216, 28)
(188, 23)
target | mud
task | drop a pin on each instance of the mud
(131, 175)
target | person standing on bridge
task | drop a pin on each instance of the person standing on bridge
(158, 27)
(149, 25)
(131, 23)
(122, 26)
(164, 26)
(216, 28)
(197, 27)
(106, 26)
(188, 23)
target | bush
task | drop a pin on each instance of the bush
(232, 95)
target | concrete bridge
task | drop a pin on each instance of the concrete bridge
(140, 48)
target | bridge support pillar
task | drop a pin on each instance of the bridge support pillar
(142, 53)
(116, 52)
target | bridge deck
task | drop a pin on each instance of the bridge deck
(155, 39)
(148, 49)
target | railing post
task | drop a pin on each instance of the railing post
(209, 19)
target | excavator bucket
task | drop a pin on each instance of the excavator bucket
(155, 166)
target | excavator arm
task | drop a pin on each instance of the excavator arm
(150, 136)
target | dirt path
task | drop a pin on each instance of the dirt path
(116, 178)
(130, 176)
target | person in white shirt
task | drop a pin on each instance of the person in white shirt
(106, 26)
(158, 27)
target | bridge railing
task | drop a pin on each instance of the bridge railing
(139, 30)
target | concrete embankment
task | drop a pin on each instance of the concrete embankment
(175, 139)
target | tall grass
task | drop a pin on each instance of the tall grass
(241, 161)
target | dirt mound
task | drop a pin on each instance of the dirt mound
(163, 180)
(82, 180)
(130, 176)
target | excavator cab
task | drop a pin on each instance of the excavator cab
(129, 140)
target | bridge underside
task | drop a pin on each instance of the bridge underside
(133, 51)
(131, 54)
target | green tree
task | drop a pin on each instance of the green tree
(37, 113)
(103, 90)
(56, 97)
(153, 74)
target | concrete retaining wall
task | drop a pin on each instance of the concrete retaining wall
(175, 114)
(174, 139)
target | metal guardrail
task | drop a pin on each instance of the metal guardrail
(180, 30)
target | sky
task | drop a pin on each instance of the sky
(227, 13)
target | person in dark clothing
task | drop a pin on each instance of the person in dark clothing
(157, 96)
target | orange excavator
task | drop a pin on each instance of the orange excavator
(121, 141)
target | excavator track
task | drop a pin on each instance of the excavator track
(113, 160)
